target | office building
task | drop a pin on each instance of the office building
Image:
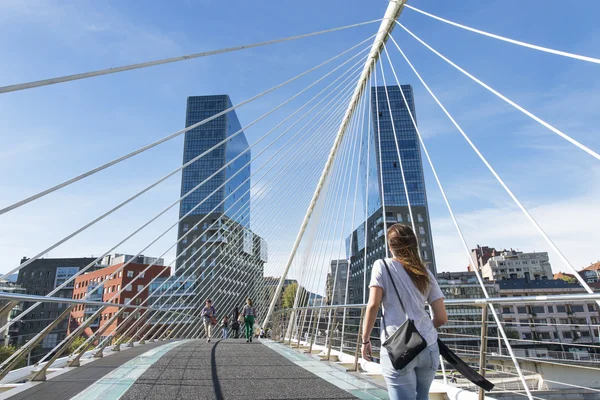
(40, 278)
(511, 264)
(216, 244)
(336, 282)
(8, 310)
(102, 287)
(386, 186)
(591, 274)
(564, 323)
(117, 258)
(269, 286)
(464, 325)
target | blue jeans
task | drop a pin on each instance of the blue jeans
(413, 381)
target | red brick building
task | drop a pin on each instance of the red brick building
(104, 289)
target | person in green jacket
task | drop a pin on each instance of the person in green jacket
(249, 314)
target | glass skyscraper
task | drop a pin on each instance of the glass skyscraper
(203, 138)
(216, 242)
(385, 182)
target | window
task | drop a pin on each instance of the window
(538, 309)
(118, 288)
(567, 335)
(50, 341)
(185, 227)
(125, 314)
(127, 300)
(561, 309)
(130, 274)
(142, 274)
(120, 274)
(420, 218)
(184, 241)
(522, 310)
(425, 255)
(128, 288)
(577, 308)
(507, 310)
(550, 309)
(591, 307)
(421, 230)
(140, 288)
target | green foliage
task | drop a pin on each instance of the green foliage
(78, 342)
(568, 279)
(289, 295)
(512, 334)
(7, 351)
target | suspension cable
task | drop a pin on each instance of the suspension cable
(505, 39)
(171, 136)
(466, 248)
(506, 99)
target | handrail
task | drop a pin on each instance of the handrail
(62, 300)
(557, 298)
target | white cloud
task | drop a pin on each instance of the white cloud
(571, 223)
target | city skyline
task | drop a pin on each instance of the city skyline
(531, 171)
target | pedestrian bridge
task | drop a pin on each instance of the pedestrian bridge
(194, 369)
(307, 166)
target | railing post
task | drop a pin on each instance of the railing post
(280, 328)
(290, 327)
(300, 326)
(312, 337)
(14, 359)
(482, 353)
(329, 334)
(358, 339)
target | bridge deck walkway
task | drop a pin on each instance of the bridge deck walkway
(191, 369)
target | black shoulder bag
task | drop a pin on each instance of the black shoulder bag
(406, 343)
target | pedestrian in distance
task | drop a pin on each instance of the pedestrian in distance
(242, 324)
(235, 323)
(249, 314)
(209, 318)
(225, 326)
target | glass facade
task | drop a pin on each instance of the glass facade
(203, 138)
(385, 163)
(380, 160)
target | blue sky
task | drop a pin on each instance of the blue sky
(49, 134)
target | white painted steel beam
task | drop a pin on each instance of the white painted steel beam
(393, 11)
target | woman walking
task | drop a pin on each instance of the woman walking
(209, 319)
(249, 314)
(235, 325)
(225, 325)
(402, 285)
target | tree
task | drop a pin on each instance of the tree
(75, 345)
(512, 334)
(7, 351)
(289, 295)
(568, 278)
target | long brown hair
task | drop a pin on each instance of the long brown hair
(404, 247)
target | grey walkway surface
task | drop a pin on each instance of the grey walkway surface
(229, 369)
(69, 384)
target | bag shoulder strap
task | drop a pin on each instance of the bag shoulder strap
(387, 268)
(393, 283)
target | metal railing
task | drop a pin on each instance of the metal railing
(318, 329)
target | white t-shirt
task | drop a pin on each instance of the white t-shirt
(413, 300)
